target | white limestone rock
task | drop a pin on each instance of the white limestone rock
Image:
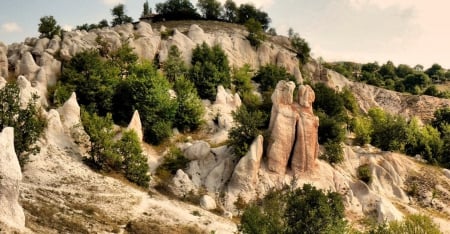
(136, 125)
(207, 202)
(26, 91)
(3, 60)
(181, 185)
(11, 213)
(70, 112)
(197, 151)
(27, 66)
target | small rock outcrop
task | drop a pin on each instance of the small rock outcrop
(293, 128)
(3, 60)
(136, 125)
(207, 202)
(11, 213)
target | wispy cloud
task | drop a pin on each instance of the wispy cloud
(11, 27)
(112, 2)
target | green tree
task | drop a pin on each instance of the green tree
(247, 128)
(94, 81)
(387, 70)
(27, 122)
(302, 210)
(415, 83)
(174, 66)
(147, 91)
(103, 23)
(135, 164)
(230, 12)
(103, 155)
(389, 132)
(190, 107)
(242, 79)
(362, 127)
(48, 27)
(403, 70)
(119, 16)
(210, 9)
(269, 75)
(177, 10)
(255, 32)
(301, 47)
(123, 58)
(146, 9)
(209, 69)
(248, 11)
(441, 118)
(333, 152)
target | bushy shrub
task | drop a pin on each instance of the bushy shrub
(247, 128)
(173, 161)
(174, 66)
(364, 173)
(330, 129)
(148, 92)
(209, 69)
(269, 75)
(190, 107)
(415, 223)
(255, 32)
(176, 10)
(27, 122)
(303, 210)
(333, 152)
(135, 164)
(103, 155)
(362, 127)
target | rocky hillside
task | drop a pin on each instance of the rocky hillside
(56, 192)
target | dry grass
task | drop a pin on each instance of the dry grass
(153, 227)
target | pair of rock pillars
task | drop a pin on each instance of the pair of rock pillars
(293, 130)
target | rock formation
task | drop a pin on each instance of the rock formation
(3, 61)
(136, 125)
(293, 130)
(11, 212)
(306, 149)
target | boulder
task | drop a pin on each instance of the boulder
(387, 211)
(445, 171)
(181, 185)
(143, 29)
(54, 45)
(52, 68)
(136, 125)
(3, 60)
(2, 82)
(197, 151)
(40, 46)
(207, 202)
(11, 213)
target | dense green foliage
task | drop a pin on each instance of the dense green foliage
(415, 223)
(101, 134)
(119, 16)
(364, 173)
(48, 27)
(176, 10)
(255, 32)
(173, 161)
(190, 107)
(248, 11)
(209, 69)
(123, 156)
(268, 77)
(174, 66)
(300, 46)
(146, 91)
(394, 133)
(103, 23)
(333, 152)
(210, 9)
(134, 165)
(401, 78)
(27, 122)
(247, 127)
(302, 210)
(116, 82)
(92, 78)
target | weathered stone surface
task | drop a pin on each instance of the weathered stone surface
(26, 91)
(40, 46)
(446, 171)
(11, 213)
(181, 184)
(70, 112)
(3, 60)
(27, 66)
(197, 151)
(207, 202)
(282, 127)
(2, 82)
(306, 149)
(136, 125)
(244, 180)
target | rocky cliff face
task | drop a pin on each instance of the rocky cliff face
(11, 213)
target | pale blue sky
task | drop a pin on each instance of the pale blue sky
(404, 31)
